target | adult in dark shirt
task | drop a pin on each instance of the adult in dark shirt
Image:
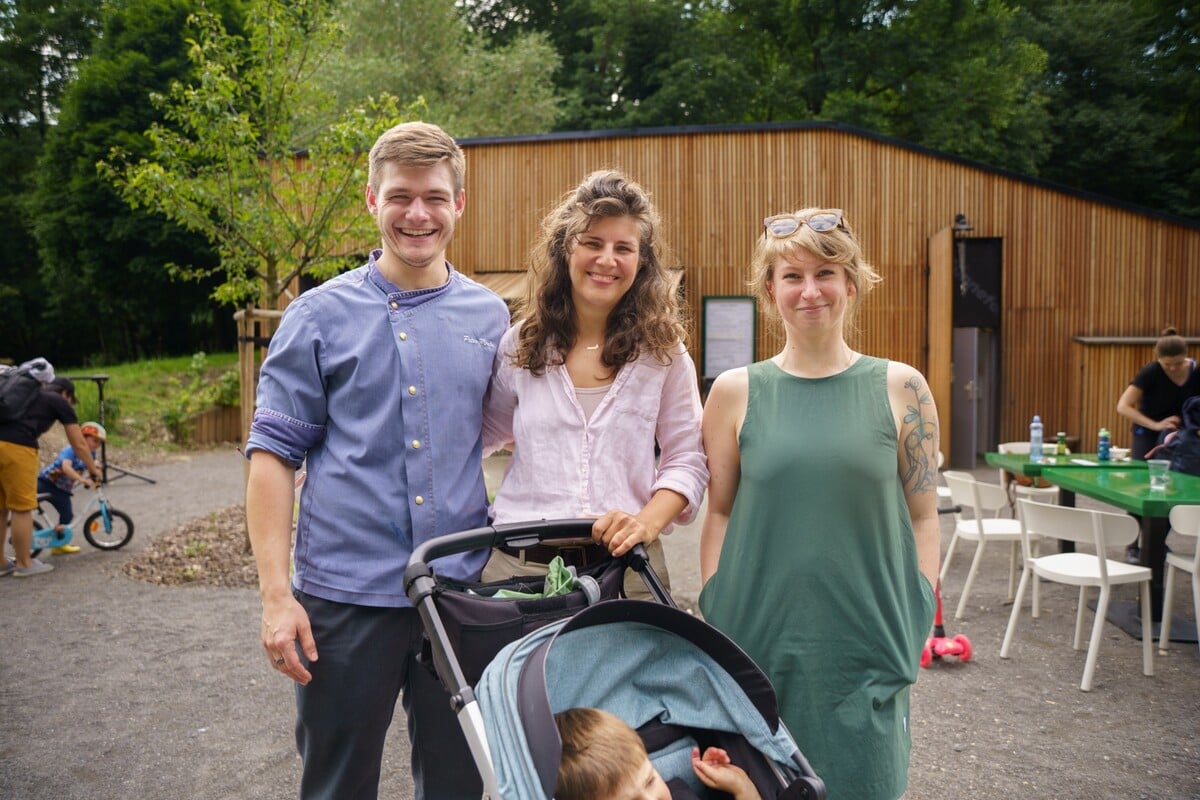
(19, 467)
(1153, 400)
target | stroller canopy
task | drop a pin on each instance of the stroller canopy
(641, 661)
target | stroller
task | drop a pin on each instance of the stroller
(515, 662)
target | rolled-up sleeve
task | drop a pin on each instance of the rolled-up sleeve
(290, 412)
(682, 465)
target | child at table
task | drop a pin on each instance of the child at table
(60, 477)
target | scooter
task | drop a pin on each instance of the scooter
(939, 646)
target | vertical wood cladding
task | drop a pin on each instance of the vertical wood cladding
(1072, 265)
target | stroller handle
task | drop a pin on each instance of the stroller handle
(516, 534)
(520, 534)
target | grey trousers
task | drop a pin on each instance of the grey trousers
(366, 658)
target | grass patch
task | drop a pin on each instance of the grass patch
(137, 394)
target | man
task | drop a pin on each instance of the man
(376, 379)
(19, 467)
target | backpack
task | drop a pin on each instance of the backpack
(18, 388)
(1182, 447)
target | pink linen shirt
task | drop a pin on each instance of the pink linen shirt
(566, 466)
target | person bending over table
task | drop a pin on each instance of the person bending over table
(1153, 400)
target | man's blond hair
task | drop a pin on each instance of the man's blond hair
(416, 144)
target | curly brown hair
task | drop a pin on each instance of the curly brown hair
(646, 320)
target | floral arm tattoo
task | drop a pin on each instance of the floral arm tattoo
(920, 440)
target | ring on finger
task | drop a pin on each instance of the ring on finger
(279, 661)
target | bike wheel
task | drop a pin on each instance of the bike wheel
(116, 533)
(41, 519)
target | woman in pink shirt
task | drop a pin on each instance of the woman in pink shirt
(590, 379)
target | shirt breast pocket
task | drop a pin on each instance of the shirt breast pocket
(470, 364)
(635, 422)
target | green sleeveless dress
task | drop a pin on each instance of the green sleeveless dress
(818, 580)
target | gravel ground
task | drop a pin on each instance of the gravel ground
(121, 677)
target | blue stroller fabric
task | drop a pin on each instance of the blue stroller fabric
(635, 668)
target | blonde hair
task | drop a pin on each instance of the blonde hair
(599, 754)
(838, 245)
(1171, 344)
(646, 320)
(416, 144)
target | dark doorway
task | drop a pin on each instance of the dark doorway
(975, 386)
(977, 283)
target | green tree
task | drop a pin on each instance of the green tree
(627, 63)
(1123, 83)
(949, 74)
(41, 42)
(225, 162)
(432, 55)
(94, 248)
(1177, 70)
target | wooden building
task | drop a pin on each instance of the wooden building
(1061, 299)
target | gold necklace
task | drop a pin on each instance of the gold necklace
(591, 347)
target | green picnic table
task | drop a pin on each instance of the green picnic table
(1128, 487)
(1019, 463)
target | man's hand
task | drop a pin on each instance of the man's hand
(284, 624)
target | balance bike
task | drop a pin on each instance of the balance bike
(106, 528)
(939, 646)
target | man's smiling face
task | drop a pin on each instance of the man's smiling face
(416, 209)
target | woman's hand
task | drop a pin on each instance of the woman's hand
(1170, 423)
(619, 531)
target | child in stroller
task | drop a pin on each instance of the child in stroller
(509, 665)
(604, 757)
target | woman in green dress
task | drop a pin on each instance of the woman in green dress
(820, 548)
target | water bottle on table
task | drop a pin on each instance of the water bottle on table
(1103, 449)
(1035, 439)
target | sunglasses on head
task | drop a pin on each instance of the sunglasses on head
(782, 226)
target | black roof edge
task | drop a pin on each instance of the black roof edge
(751, 127)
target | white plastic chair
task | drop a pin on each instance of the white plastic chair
(1101, 530)
(943, 492)
(985, 501)
(1185, 520)
(1047, 494)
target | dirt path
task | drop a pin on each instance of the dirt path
(113, 688)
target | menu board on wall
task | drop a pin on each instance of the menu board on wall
(729, 327)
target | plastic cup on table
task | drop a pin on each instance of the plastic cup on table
(1158, 468)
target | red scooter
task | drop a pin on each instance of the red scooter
(939, 646)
